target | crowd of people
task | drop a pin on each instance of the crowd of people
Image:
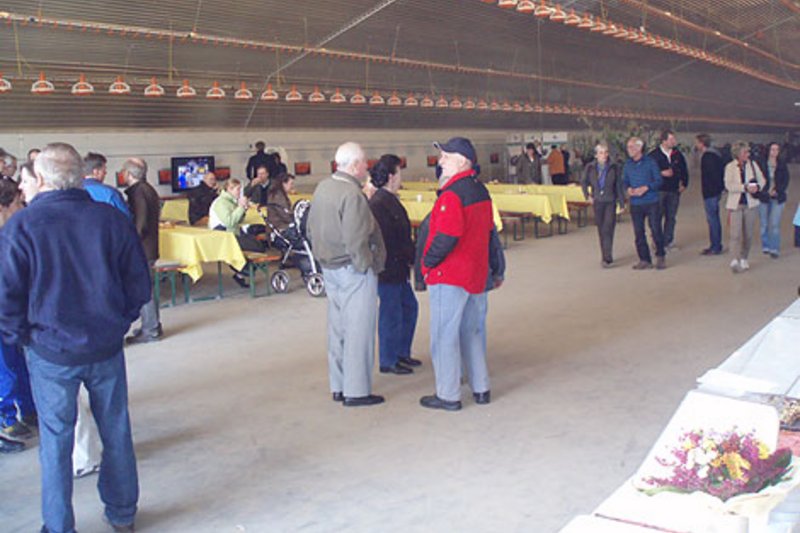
(62, 339)
(652, 185)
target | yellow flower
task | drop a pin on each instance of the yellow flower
(688, 445)
(709, 444)
(735, 463)
(763, 450)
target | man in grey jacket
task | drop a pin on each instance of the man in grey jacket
(348, 244)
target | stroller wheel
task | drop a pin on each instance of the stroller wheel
(280, 281)
(315, 285)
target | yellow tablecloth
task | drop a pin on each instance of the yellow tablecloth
(420, 185)
(192, 247)
(178, 210)
(538, 205)
(417, 211)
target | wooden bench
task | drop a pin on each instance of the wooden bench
(513, 223)
(260, 261)
(581, 211)
(161, 270)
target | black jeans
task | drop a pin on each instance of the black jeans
(670, 201)
(605, 216)
(652, 213)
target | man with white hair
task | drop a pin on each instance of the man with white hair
(8, 166)
(145, 206)
(455, 264)
(642, 180)
(70, 312)
(348, 244)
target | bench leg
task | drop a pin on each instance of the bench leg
(157, 288)
(172, 287)
(186, 285)
(251, 270)
(219, 280)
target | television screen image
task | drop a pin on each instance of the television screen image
(188, 172)
(302, 168)
(433, 160)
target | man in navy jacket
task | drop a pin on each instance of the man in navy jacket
(642, 181)
(68, 294)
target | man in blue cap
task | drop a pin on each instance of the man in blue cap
(455, 264)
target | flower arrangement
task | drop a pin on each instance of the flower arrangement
(723, 465)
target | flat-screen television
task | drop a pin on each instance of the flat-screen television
(188, 172)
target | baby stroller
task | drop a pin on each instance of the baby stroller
(296, 250)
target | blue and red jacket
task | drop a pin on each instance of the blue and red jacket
(457, 249)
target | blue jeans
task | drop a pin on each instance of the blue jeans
(458, 334)
(397, 320)
(670, 201)
(770, 213)
(652, 213)
(714, 224)
(15, 386)
(55, 389)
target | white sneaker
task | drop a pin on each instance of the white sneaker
(744, 264)
(735, 266)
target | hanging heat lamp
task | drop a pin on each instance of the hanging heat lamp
(243, 93)
(185, 90)
(469, 105)
(611, 29)
(456, 104)
(543, 11)
(316, 97)
(527, 108)
(215, 92)
(598, 26)
(482, 105)
(294, 95)
(410, 101)
(119, 87)
(376, 99)
(558, 14)
(338, 97)
(427, 102)
(526, 6)
(506, 106)
(42, 86)
(622, 33)
(572, 19)
(5, 85)
(494, 106)
(517, 107)
(358, 98)
(154, 90)
(586, 22)
(394, 100)
(633, 35)
(538, 108)
(507, 4)
(442, 103)
(269, 94)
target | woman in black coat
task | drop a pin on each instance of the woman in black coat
(603, 188)
(397, 316)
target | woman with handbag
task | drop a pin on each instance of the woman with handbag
(773, 198)
(743, 181)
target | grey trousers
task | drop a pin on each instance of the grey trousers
(151, 318)
(743, 221)
(605, 216)
(458, 336)
(352, 314)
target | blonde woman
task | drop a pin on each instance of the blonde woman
(603, 188)
(743, 181)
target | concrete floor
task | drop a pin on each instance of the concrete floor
(235, 429)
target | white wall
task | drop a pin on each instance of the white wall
(232, 148)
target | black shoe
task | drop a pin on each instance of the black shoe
(608, 264)
(434, 402)
(482, 398)
(372, 399)
(32, 421)
(707, 251)
(337, 397)
(241, 280)
(396, 369)
(10, 446)
(143, 339)
(410, 361)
